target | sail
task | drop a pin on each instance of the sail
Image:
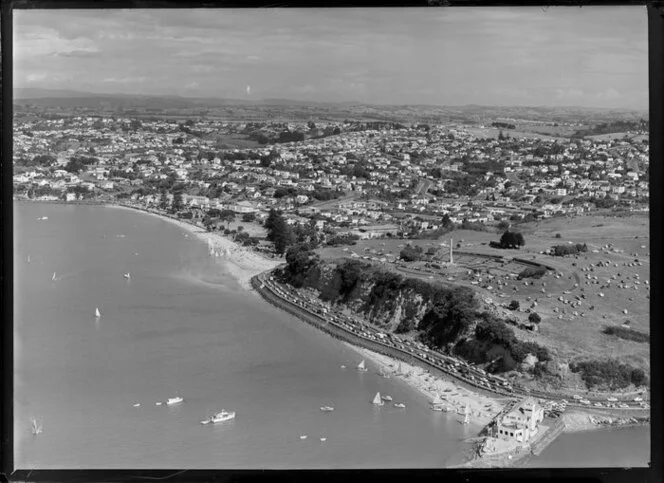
(361, 365)
(437, 399)
(377, 399)
(97, 313)
(53, 277)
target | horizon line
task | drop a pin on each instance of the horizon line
(119, 94)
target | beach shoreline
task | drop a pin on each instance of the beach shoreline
(242, 263)
(482, 408)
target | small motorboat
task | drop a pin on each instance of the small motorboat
(386, 398)
(220, 417)
(127, 275)
(137, 405)
(174, 400)
(157, 404)
(327, 409)
(399, 405)
(343, 367)
(323, 439)
(304, 436)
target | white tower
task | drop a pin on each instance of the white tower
(451, 256)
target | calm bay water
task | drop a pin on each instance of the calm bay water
(182, 326)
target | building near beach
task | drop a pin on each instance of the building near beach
(521, 423)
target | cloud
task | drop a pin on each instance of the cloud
(565, 94)
(439, 56)
(609, 93)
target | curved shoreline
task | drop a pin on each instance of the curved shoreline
(242, 263)
(421, 380)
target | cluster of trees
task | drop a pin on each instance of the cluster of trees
(464, 185)
(612, 127)
(610, 373)
(39, 160)
(279, 232)
(563, 250)
(344, 239)
(626, 333)
(300, 259)
(215, 217)
(503, 125)
(411, 253)
(509, 239)
(80, 163)
(495, 342)
(532, 272)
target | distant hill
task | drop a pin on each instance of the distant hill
(300, 110)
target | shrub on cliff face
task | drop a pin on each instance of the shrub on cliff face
(299, 259)
(350, 273)
(451, 315)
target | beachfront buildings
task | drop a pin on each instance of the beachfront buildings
(521, 422)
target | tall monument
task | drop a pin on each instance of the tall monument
(451, 256)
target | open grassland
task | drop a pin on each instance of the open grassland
(574, 306)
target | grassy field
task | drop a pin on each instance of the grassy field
(569, 334)
(494, 132)
(235, 141)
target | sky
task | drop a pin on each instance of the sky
(528, 56)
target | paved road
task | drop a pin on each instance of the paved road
(305, 306)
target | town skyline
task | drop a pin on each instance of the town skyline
(592, 57)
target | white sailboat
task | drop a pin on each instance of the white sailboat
(127, 276)
(437, 399)
(97, 313)
(36, 427)
(362, 367)
(466, 417)
(377, 400)
(53, 277)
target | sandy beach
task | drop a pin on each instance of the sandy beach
(242, 263)
(482, 408)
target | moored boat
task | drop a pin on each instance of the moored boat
(386, 398)
(362, 366)
(377, 400)
(399, 405)
(220, 417)
(174, 400)
(327, 409)
(97, 313)
(36, 427)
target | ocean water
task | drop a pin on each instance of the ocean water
(182, 326)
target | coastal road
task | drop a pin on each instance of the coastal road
(319, 316)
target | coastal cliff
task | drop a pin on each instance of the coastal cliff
(388, 300)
